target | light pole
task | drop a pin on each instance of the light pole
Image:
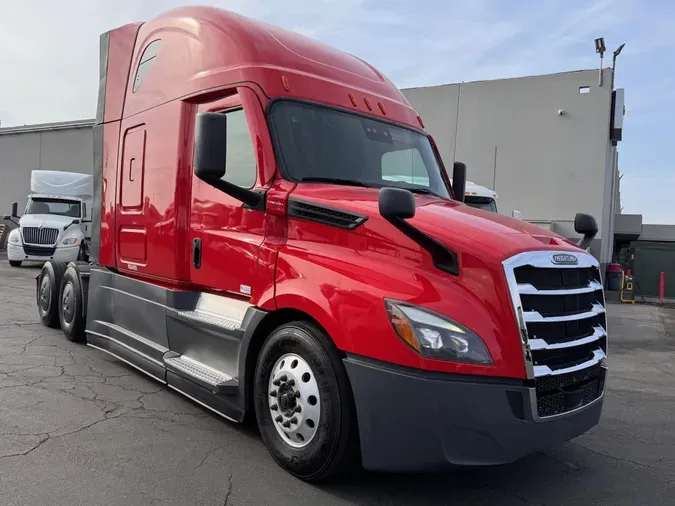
(600, 49)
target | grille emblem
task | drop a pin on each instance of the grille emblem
(564, 259)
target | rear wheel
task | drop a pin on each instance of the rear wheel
(15, 263)
(49, 283)
(70, 306)
(303, 403)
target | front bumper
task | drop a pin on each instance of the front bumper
(415, 420)
(16, 252)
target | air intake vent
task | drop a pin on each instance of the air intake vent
(322, 214)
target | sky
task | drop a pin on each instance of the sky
(49, 57)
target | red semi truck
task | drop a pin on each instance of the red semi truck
(255, 249)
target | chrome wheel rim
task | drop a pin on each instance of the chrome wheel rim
(45, 293)
(68, 303)
(293, 400)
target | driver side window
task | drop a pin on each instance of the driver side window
(241, 159)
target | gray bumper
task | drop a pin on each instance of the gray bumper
(415, 421)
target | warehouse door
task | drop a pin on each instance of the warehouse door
(650, 259)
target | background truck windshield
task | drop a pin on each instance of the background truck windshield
(62, 207)
(320, 144)
(485, 203)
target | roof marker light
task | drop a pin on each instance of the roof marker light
(353, 99)
(365, 99)
(384, 111)
(419, 120)
(284, 81)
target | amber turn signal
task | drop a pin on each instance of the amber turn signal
(403, 327)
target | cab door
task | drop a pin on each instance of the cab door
(225, 235)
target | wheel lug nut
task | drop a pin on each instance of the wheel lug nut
(278, 419)
(276, 383)
(274, 407)
(273, 393)
(297, 394)
(298, 409)
(291, 382)
(283, 377)
(294, 420)
(286, 424)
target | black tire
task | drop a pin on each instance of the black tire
(49, 284)
(15, 263)
(334, 447)
(70, 306)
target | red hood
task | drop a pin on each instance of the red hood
(456, 225)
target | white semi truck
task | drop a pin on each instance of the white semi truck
(56, 223)
(480, 197)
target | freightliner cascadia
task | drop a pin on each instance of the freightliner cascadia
(255, 249)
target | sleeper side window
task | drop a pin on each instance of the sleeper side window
(148, 57)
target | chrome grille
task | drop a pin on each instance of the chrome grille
(35, 235)
(561, 314)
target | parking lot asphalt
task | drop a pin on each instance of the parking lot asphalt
(78, 427)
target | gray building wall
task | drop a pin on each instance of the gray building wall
(509, 132)
(658, 233)
(56, 146)
(537, 141)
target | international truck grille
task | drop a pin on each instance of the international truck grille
(561, 314)
(35, 235)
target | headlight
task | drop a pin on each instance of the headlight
(15, 238)
(69, 240)
(434, 336)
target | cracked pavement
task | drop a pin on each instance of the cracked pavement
(79, 427)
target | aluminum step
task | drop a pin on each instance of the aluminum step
(213, 379)
(211, 319)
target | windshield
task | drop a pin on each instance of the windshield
(485, 203)
(318, 144)
(61, 207)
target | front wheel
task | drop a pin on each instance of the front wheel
(15, 263)
(303, 403)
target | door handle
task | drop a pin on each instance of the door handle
(197, 253)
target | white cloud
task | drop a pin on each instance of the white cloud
(49, 50)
